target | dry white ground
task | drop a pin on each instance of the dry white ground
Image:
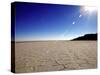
(40, 56)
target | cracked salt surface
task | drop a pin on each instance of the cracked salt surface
(55, 56)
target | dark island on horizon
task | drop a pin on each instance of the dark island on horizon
(86, 37)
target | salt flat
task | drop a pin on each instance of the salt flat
(38, 56)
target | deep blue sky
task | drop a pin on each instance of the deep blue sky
(35, 21)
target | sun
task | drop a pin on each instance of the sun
(89, 9)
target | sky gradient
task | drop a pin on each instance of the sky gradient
(37, 21)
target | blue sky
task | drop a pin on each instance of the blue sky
(36, 21)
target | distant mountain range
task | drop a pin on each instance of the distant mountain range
(87, 37)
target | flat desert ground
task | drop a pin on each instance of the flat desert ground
(38, 56)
